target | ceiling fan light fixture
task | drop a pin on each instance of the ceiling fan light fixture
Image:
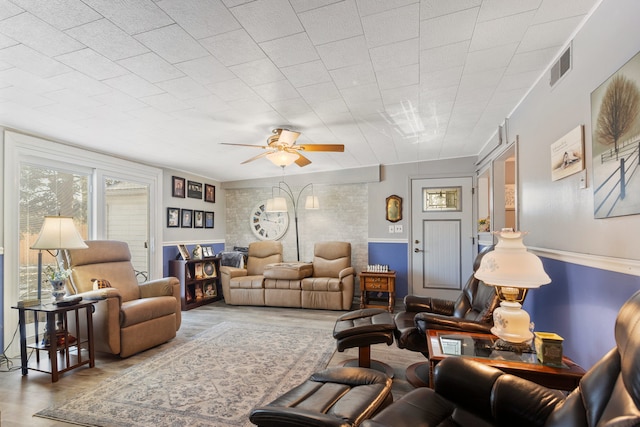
(282, 158)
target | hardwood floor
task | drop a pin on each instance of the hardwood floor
(22, 396)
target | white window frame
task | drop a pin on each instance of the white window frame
(21, 148)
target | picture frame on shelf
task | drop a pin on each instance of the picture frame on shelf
(199, 272)
(177, 186)
(198, 219)
(199, 292)
(209, 193)
(208, 219)
(184, 253)
(209, 269)
(186, 220)
(194, 190)
(210, 290)
(173, 217)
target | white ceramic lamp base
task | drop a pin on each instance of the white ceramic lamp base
(511, 323)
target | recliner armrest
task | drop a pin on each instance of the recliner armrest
(427, 304)
(494, 395)
(346, 272)
(159, 287)
(279, 417)
(232, 271)
(100, 294)
(426, 321)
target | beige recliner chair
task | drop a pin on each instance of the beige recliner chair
(129, 317)
(245, 286)
(331, 286)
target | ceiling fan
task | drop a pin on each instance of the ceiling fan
(282, 149)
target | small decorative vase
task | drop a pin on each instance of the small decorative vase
(58, 292)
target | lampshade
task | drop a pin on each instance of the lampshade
(276, 204)
(282, 158)
(512, 270)
(511, 265)
(312, 202)
(59, 232)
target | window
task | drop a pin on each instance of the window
(46, 191)
(46, 178)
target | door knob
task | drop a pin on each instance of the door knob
(416, 250)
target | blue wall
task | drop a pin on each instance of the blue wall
(393, 254)
(580, 304)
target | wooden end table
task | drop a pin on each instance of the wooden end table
(64, 350)
(478, 347)
(377, 282)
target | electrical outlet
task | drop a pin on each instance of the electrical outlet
(391, 229)
(398, 228)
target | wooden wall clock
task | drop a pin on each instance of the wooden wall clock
(268, 225)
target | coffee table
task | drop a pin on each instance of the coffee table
(480, 347)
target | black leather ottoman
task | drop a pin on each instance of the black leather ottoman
(361, 328)
(337, 397)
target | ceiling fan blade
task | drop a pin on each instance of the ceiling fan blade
(302, 160)
(321, 147)
(288, 137)
(259, 156)
(245, 145)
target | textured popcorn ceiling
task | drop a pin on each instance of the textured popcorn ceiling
(166, 81)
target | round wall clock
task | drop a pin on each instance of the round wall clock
(268, 225)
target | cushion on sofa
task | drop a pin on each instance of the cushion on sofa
(288, 270)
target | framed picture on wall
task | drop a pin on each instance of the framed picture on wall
(208, 219)
(173, 217)
(194, 190)
(177, 184)
(198, 219)
(209, 193)
(394, 208)
(187, 218)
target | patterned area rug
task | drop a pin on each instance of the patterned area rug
(238, 367)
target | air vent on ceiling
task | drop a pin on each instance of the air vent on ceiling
(560, 67)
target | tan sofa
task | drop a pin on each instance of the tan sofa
(327, 283)
(129, 317)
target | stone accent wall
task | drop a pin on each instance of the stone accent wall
(342, 216)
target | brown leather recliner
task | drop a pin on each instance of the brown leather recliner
(472, 312)
(332, 284)
(129, 317)
(468, 393)
(245, 286)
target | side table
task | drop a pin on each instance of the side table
(479, 347)
(64, 350)
(377, 282)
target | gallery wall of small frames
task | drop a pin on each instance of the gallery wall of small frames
(191, 218)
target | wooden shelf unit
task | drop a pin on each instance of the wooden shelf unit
(199, 281)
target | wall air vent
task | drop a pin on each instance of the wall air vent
(561, 67)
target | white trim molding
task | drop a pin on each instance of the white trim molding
(618, 265)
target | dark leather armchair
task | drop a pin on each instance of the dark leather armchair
(468, 393)
(472, 312)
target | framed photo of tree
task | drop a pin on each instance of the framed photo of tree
(615, 124)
